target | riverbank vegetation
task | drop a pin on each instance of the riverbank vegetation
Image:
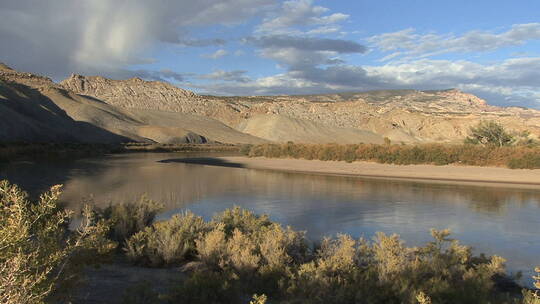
(488, 144)
(236, 257)
(515, 157)
(36, 151)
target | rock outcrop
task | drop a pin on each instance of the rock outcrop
(35, 109)
(401, 115)
(97, 109)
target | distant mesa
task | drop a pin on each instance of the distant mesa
(98, 109)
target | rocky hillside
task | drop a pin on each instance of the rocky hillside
(97, 109)
(401, 115)
(35, 109)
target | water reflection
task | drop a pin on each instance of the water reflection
(493, 220)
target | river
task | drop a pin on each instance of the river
(493, 220)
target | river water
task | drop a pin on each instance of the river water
(493, 220)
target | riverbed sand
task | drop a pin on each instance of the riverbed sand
(488, 176)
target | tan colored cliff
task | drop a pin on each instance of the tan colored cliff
(35, 109)
(401, 115)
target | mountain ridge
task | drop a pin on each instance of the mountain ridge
(154, 111)
(402, 115)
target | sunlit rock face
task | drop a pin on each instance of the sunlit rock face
(401, 115)
(97, 109)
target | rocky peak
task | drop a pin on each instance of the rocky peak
(28, 79)
(135, 93)
(128, 88)
(462, 97)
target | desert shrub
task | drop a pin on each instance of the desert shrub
(241, 219)
(528, 161)
(490, 133)
(332, 277)
(239, 254)
(443, 269)
(258, 299)
(166, 242)
(282, 246)
(530, 296)
(38, 254)
(257, 254)
(212, 247)
(236, 253)
(385, 271)
(244, 149)
(437, 154)
(260, 259)
(126, 219)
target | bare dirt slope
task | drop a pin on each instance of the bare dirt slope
(401, 115)
(35, 109)
(282, 128)
(97, 109)
(202, 125)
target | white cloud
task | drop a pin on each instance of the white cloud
(409, 44)
(299, 13)
(239, 53)
(235, 76)
(217, 54)
(59, 37)
(304, 52)
(511, 82)
(327, 29)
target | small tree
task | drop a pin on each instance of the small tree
(489, 133)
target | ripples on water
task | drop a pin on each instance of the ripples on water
(493, 220)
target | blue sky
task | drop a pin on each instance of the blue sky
(266, 47)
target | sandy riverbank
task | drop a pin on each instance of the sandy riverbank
(488, 176)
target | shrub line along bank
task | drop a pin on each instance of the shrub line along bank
(514, 157)
(32, 151)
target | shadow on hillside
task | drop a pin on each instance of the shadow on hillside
(210, 161)
(41, 120)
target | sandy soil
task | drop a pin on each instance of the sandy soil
(489, 176)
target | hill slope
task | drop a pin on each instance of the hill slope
(401, 115)
(97, 109)
(281, 128)
(34, 108)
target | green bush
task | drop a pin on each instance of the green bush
(490, 133)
